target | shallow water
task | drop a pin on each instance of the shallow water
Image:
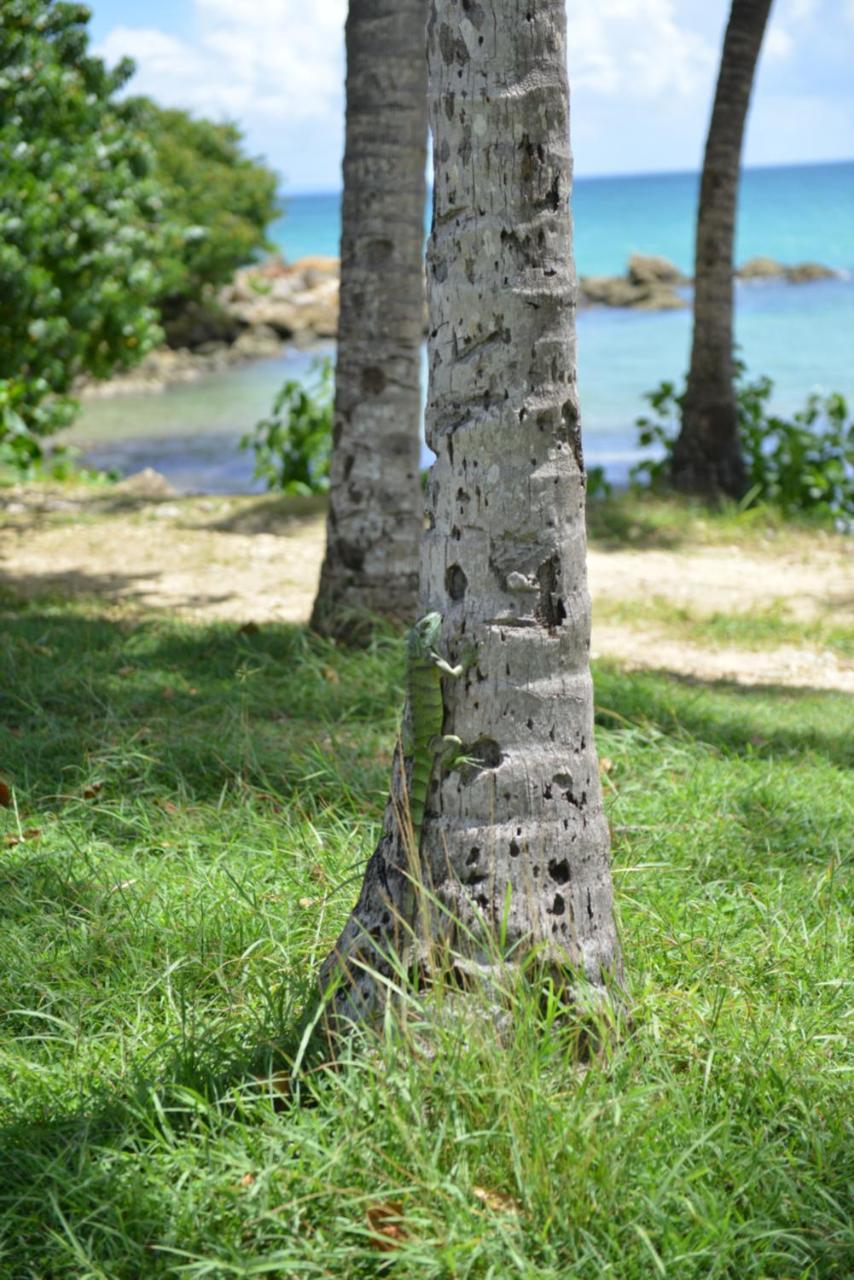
(802, 336)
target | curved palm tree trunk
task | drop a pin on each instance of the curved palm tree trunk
(515, 846)
(375, 504)
(707, 458)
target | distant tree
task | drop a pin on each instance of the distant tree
(707, 458)
(513, 857)
(374, 524)
(217, 202)
(79, 233)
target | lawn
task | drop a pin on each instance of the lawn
(189, 809)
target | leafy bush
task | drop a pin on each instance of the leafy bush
(802, 464)
(293, 446)
(217, 202)
(79, 233)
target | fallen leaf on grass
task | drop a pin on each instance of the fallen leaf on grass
(497, 1201)
(247, 1180)
(305, 903)
(605, 765)
(94, 789)
(31, 833)
(125, 671)
(5, 795)
(331, 675)
(384, 1221)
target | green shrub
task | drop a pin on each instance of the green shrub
(79, 222)
(801, 464)
(293, 446)
(217, 202)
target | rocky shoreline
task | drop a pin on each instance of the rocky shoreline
(275, 302)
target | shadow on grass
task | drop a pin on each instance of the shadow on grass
(276, 514)
(88, 1176)
(162, 707)
(758, 720)
(104, 588)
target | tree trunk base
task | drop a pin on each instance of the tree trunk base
(707, 461)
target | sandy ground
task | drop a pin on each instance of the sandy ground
(248, 559)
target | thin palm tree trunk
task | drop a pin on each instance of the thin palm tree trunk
(375, 504)
(514, 852)
(707, 458)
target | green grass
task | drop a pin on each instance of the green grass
(748, 629)
(206, 798)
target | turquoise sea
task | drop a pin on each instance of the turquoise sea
(802, 336)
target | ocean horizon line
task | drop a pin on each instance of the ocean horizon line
(638, 175)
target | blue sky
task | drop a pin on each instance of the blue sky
(642, 74)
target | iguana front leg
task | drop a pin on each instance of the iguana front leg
(467, 661)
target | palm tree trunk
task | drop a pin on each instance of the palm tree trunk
(707, 458)
(516, 845)
(375, 505)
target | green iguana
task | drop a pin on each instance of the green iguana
(424, 740)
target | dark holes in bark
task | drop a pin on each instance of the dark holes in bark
(559, 871)
(456, 533)
(484, 754)
(455, 582)
(351, 555)
(589, 907)
(474, 13)
(348, 465)
(472, 856)
(558, 905)
(515, 850)
(373, 381)
(529, 722)
(378, 252)
(550, 610)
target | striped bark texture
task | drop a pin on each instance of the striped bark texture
(515, 844)
(707, 458)
(375, 502)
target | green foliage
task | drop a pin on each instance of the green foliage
(802, 464)
(193, 805)
(78, 213)
(217, 202)
(293, 446)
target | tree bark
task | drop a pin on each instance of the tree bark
(707, 457)
(375, 503)
(515, 847)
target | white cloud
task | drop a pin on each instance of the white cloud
(642, 74)
(636, 49)
(251, 59)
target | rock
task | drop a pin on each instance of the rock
(803, 272)
(296, 301)
(197, 324)
(257, 343)
(147, 483)
(617, 291)
(770, 269)
(760, 269)
(650, 269)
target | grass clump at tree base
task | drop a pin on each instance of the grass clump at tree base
(190, 807)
